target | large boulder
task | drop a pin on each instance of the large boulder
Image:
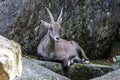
(77, 71)
(10, 59)
(93, 24)
(33, 71)
(9, 11)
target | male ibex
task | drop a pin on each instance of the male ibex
(54, 48)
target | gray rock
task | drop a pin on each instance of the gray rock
(93, 24)
(9, 11)
(115, 75)
(10, 59)
(33, 71)
(77, 71)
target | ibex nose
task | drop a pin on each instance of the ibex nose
(57, 38)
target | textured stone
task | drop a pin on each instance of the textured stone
(77, 71)
(114, 75)
(92, 24)
(10, 59)
(33, 71)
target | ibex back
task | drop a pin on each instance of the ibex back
(54, 48)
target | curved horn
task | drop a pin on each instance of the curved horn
(60, 15)
(50, 14)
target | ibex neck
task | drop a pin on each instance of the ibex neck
(50, 43)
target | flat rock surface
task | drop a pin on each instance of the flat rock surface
(33, 71)
(114, 75)
(40, 70)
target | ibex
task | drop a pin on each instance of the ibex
(54, 48)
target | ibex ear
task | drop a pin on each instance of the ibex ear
(45, 23)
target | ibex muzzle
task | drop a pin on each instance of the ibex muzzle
(54, 48)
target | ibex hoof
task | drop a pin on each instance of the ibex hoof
(86, 61)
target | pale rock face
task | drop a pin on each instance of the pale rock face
(10, 59)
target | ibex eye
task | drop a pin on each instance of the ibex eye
(51, 28)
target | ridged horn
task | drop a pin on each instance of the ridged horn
(50, 14)
(61, 12)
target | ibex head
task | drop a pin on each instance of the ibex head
(53, 26)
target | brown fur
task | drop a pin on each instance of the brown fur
(54, 48)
